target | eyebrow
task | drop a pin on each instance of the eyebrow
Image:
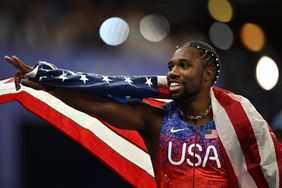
(184, 60)
(180, 60)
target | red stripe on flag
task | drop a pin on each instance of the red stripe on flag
(164, 92)
(231, 173)
(154, 102)
(245, 134)
(278, 152)
(129, 171)
(8, 97)
(10, 80)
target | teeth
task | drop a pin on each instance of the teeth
(175, 84)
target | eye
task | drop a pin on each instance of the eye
(185, 65)
(170, 66)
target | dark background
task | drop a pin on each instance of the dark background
(64, 164)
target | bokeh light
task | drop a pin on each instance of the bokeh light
(221, 35)
(220, 10)
(154, 27)
(267, 73)
(114, 31)
(252, 37)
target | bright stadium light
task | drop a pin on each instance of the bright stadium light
(267, 73)
(154, 27)
(221, 35)
(220, 10)
(252, 37)
(114, 31)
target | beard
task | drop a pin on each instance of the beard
(189, 89)
(185, 93)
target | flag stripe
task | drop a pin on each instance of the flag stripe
(131, 136)
(247, 140)
(250, 128)
(230, 142)
(278, 153)
(265, 144)
(119, 144)
(114, 150)
(232, 175)
(162, 87)
(91, 142)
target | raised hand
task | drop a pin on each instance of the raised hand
(22, 70)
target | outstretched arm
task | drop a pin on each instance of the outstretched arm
(136, 116)
(144, 86)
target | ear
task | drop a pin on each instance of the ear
(209, 74)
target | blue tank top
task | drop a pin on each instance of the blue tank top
(188, 155)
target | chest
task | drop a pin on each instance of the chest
(189, 155)
(181, 144)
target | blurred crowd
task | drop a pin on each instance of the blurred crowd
(46, 24)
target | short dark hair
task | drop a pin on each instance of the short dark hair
(207, 53)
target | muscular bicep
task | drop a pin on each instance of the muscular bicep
(135, 116)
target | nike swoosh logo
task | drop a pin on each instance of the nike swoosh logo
(172, 130)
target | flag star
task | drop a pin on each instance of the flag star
(83, 78)
(106, 79)
(149, 82)
(128, 80)
(63, 76)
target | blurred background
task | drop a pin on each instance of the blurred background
(126, 37)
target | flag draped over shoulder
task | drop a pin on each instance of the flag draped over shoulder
(251, 148)
(252, 153)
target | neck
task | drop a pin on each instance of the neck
(197, 117)
(196, 110)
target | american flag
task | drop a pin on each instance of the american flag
(136, 86)
(123, 151)
(211, 134)
(252, 153)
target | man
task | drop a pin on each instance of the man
(186, 139)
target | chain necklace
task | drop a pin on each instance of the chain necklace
(198, 116)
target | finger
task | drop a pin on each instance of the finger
(10, 60)
(18, 76)
(31, 84)
(18, 64)
(23, 66)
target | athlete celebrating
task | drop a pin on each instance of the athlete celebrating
(197, 140)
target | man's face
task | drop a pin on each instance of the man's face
(185, 76)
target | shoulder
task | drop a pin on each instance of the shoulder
(170, 106)
(227, 97)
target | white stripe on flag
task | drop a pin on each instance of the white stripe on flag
(162, 81)
(112, 139)
(265, 144)
(231, 144)
(7, 88)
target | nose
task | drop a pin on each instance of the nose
(173, 73)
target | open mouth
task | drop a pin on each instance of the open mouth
(175, 86)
